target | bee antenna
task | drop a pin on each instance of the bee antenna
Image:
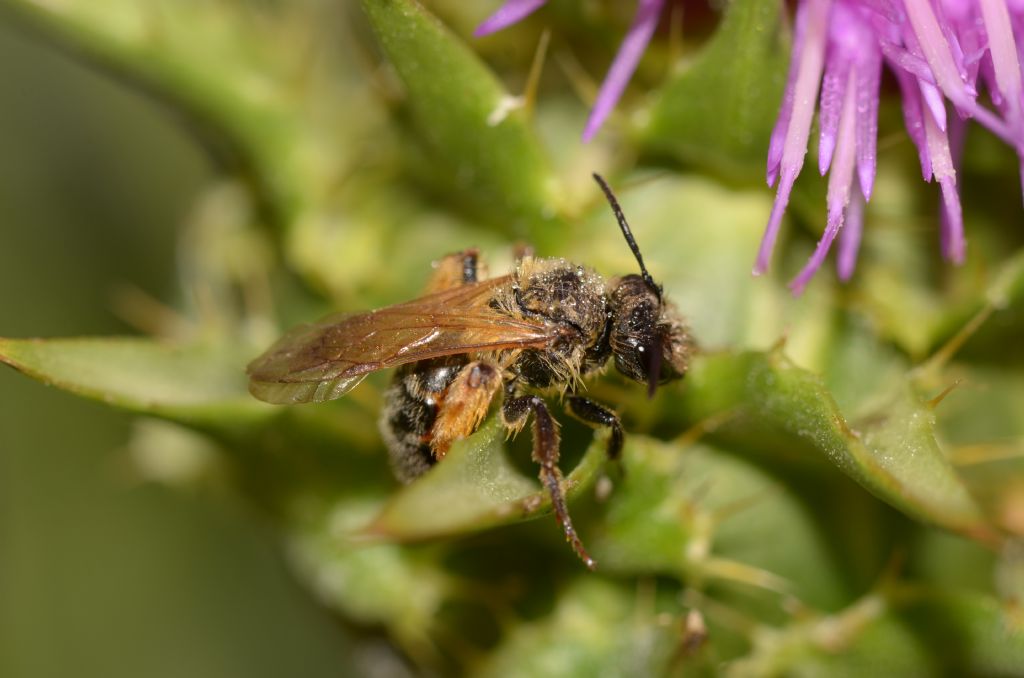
(627, 233)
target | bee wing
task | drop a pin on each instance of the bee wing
(325, 360)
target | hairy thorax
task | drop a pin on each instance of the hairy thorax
(570, 296)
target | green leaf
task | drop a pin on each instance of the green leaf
(719, 111)
(967, 633)
(597, 628)
(949, 562)
(193, 384)
(785, 413)
(457, 105)
(990, 458)
(702, 514)
(475, 487)
(370, 583)
(899, 629)
(865, 638)
(857, 367)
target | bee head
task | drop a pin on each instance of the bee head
(649, 341)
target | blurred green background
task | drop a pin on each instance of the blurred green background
(102, 574)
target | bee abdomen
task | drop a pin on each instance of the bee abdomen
(411, 406)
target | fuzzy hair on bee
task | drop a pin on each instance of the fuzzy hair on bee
(544, 328)
(558, 291)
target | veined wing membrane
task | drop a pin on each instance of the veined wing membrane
(325, 360)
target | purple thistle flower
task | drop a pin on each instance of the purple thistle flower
(940, 51)
(513, 11)
(623, 66)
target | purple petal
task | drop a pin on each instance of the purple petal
(886, 11)
(938, 42)
(987, 75)
(1005, 64)
(901, 58)
(973, 41)
(953, 12)
(794, 146)
(954, 245)
(633, 46)
(974, 56)
(869, 76)
(786, 109)
(840, 181)
(805, 89)
(938, 53)
(957, 134)
(771, 232)
(849, 237)
(773, 169)
(798, 283)
(833, 86)
(913, 117)
(949, 15)
(952, 232)
(996, 125)
(513, 11)
(932, 98)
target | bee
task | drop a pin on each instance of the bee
(539, 330)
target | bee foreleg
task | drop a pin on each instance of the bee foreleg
(594, 414)
(455, 269)
(515, 410)
(465, 404)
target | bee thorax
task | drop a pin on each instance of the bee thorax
(571, 297)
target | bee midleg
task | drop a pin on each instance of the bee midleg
(594, 414)
(465, 404)
(515, 411)
(455, 269)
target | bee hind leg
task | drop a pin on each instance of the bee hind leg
(457, 268)
(465, 404)
(515, 410)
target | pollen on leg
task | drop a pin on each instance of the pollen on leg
(465, 405)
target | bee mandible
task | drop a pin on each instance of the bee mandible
(539, 330)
